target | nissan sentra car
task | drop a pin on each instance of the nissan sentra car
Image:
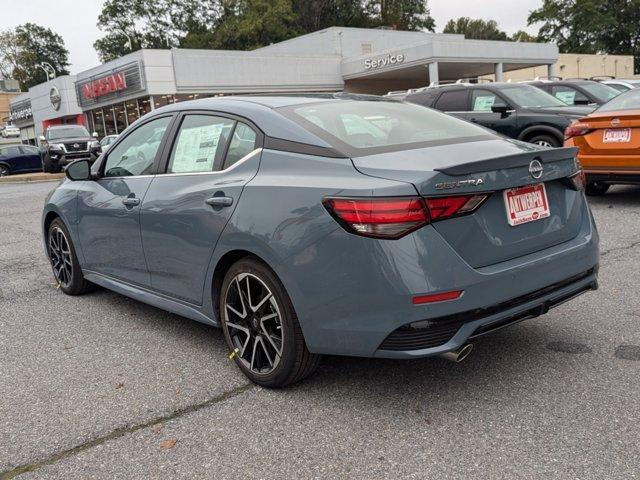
(337, 224)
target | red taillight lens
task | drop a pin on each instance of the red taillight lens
(578, 180)
(441, 208)
(576, 129)
(379, 217)
(436, 297)
(394, 217)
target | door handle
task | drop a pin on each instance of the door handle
(219, 201)
(131, 201)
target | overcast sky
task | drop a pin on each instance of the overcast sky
(76, 20)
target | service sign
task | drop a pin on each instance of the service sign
(100, 87)
(388, 60)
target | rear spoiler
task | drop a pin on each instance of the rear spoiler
(510, 161)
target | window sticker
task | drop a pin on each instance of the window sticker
(196, 149)
(483, 103)
(567, 96)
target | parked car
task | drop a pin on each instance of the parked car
(108, 140)
(9, 131)
(577, 92)
(343, 225)
(517, 111)
(63, 144)
(19, 159)
(609, 143)
(622, 84)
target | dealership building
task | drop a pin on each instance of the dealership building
(111, 96)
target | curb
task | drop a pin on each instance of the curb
(31, 178)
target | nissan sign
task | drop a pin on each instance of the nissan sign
(102, 86)
(371, 64)
(55, 98)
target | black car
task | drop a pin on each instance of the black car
(63, 144)
(518, 111)
(577, 92)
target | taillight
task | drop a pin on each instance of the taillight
(394, 217)
(576, 129)
(578, 180)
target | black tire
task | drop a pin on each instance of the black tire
(294, 361)
(545, 141)
(5, 171)
(595, 189)
(72, 282)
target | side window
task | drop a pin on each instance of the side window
(3, 152)
(483, 100)
(10, 151)
(568, 95)
(30, 150)
(453, 101)
(136, 153)
(242, 143)
(201, 140)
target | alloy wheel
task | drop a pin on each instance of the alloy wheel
(4, 171)
(254, 323)
(60, 255)
(543, 143)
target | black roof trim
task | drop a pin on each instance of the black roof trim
(283, 145)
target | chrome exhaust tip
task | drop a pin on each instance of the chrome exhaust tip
(456, 356)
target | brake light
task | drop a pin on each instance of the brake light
(576, 129)
(436, 297)
(578, 180)
(394, 217)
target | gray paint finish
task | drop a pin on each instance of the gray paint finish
(349, 291)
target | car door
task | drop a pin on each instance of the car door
(187, 208)
(109, 207)
(481, 102)
(31, 157)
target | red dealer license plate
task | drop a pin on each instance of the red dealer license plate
(526, 204)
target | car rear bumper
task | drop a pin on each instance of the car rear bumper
(369, 285)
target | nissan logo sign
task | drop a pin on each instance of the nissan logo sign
(536, 169)
(370, 64)
(55, 98)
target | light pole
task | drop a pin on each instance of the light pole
(48, 69)
(129, 42)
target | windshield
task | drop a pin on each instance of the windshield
(370, 124)
(602, 92)
(625, 101)
(527, 96)
(67, 132)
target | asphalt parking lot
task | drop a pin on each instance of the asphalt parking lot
(102, 386)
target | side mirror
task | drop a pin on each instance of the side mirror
(79, 170)
(503, 110)
(42, 139)
(94, 134)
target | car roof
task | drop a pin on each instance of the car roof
(262, 110)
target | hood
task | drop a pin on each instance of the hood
(568, 111)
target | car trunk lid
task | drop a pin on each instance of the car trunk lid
(485, 237)
(610, 135)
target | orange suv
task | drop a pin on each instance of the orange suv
(609, 143)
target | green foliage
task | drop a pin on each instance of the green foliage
(23, 50)
(590, 26)
(522, 36)
(400, 14)
(477, 29)
(242, 24)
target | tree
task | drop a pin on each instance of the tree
(249, 24)
(24, 49)
(134, 24)
(522, 36)
(400, 14)
(313, 15)
(477, 29)
(591, 26)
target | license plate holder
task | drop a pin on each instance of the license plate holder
(616, 135)
(526, 204)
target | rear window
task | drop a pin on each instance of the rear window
(602, 92)
(365, 124)
(625, 101)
